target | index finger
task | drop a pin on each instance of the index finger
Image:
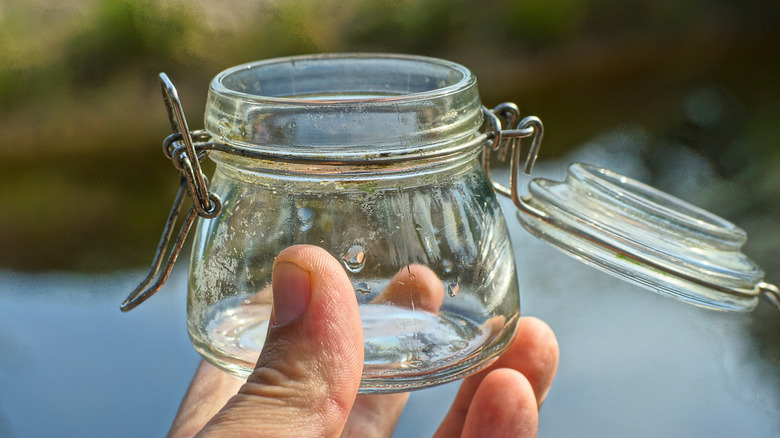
(533, 352)
(210, 389)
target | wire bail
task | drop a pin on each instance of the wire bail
(180, 148)
(505, 140)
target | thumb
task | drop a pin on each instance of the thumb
(307, 376)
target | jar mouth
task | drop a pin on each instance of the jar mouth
(343, 79)
(350, 106)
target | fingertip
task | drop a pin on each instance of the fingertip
(504, 405)
(414, 286)
(535, 353)
(534, 332)
(323, 266)
(333, 297)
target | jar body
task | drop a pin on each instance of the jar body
(373, 158)
(428, 254)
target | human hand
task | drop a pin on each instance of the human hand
(306, 380)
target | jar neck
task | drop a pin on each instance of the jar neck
(346, 108)
(461, 156)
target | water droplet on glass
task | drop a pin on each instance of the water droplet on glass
(354, 259)
(306, 217)
(447, 265)
(452, 289)
(363, 288)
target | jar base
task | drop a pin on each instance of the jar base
(433, 376)
(404, 349)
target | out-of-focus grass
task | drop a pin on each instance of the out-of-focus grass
(83, 184)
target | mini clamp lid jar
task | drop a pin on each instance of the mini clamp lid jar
(383, 160)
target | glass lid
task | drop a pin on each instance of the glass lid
(646, 236)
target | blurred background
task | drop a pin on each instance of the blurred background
(683, 95)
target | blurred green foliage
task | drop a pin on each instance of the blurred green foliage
(83, 184)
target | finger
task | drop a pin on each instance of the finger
(533, 352)
(210, 389)
(375, 416)
(414, 286)
(504, 405)
(308, 373)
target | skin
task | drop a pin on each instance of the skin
(306, 380)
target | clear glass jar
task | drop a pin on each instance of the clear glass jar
(374, 158)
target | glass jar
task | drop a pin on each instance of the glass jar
(373, 159)
(376, 158)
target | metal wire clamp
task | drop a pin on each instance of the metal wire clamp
(181, 150)
(505, 129)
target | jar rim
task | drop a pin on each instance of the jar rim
(218, 84)
(354, 107)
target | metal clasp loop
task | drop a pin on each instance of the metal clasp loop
(506, 141)
(771, 293)
(185, 154)
(186, 160)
